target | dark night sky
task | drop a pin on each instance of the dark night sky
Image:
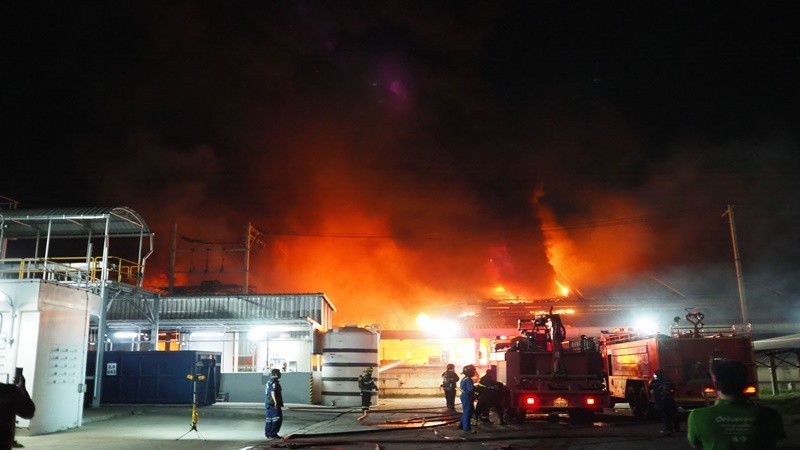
(409, 153)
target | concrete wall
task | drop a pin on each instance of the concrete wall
(409, 381)
(250, 387)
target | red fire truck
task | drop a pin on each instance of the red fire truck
(546, 373)
(630, 359)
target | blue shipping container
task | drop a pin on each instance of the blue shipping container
(158, 377)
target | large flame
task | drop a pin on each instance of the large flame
(382, 248)
(592, 253)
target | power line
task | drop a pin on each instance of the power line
(605, 223)
(593, 224)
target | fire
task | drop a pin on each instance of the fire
(501, 292)
(442, 328)
(424, 322)
(591, 252)
(564, 289)
(561, 311)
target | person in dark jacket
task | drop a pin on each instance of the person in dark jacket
(663, 390)
(493, 398)
(273, 403)
(14, 401)
(366, 384)
(484, 398)
(449, 385)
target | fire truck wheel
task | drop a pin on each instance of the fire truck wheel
(641, 408)
(510, 415)
(637, 399)
(518, 415)
(630, 396)
(649, 409)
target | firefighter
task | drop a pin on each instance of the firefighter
(493, 396)
(366, 384)
(274, 403)
(663, 390)
(467, 398)
(498, 395)
(485, 398)
(449, 384)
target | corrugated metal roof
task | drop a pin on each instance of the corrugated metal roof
(222, 309)
(791, 341)
(72, 222)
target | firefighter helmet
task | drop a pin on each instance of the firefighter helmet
(469, 370)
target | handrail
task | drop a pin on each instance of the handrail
(677, 332)
(623, 336)
(71, 269)
(709, 331)
(125, 269)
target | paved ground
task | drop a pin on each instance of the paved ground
(393, 424)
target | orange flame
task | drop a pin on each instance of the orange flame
(593, 254)
(564, 289)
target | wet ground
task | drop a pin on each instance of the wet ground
(419, 423)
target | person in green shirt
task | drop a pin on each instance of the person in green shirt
(733, 422)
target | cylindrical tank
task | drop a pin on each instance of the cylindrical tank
(346, 352)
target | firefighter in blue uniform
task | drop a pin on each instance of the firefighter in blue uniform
(467, 398)
(273, 402)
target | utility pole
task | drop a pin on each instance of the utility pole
(738, 262)
(248, 240)
(172, 252)
(253, 236)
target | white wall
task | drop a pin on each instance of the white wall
(296, 354)
(272, 353)
(52, 336)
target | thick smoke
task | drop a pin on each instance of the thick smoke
(399, 158)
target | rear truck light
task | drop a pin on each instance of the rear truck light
(529, 400)
(590, 401)
(751, 390)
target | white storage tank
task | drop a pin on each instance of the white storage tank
(346, 352)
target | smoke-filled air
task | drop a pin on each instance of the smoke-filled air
(401, 159)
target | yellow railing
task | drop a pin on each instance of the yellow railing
(70, 269)
(123, 270)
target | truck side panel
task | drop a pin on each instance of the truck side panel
(685, 360)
